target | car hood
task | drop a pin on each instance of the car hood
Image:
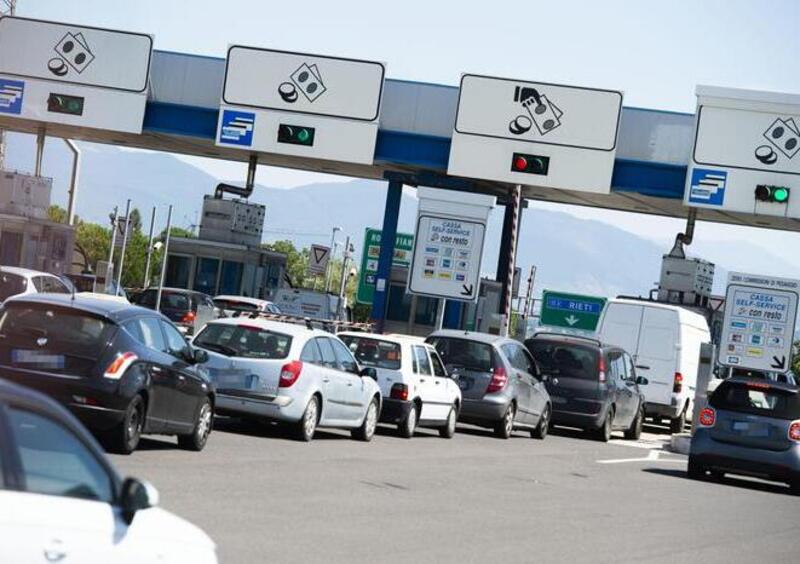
(156, 524)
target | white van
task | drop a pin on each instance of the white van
(664, 341)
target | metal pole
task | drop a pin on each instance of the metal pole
(343, 279)
(73, 181)
(515, 200)
(124, 243)
(329, 269)
(11, 9)
(529, 293)
(440, 313)
(164, 261)
(40, 137)
(114, 218)
(146, 281)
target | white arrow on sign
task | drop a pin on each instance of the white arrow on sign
(571, 320)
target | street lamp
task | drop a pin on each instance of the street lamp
(330, 259)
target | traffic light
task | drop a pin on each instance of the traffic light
(65, 104)
(774, 194)
(296, 135)
(530, 164)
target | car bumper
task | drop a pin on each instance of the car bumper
(483, 412)
(278, 408)
(97, 418)
(394, 410)
(661, 410)
(575, 419)
(761, 463)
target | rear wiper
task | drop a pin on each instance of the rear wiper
(224, 349)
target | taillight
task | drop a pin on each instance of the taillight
(119, 365)
(498, 381)
(707, 417)
(794, 431)
(290, 373)
(399, 392)
(677, 385)
(601, 369)
(189, 317)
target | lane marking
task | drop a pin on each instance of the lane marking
(653, 455)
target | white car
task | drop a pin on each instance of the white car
(416, 388)
(290, 373)
(238, 305)
(20, 281)
(62, 501)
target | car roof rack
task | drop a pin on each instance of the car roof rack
(329, 325)
(597, 342)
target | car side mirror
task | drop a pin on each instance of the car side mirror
(642, 381)
(136, 495)
(200, 356)
(369, 372)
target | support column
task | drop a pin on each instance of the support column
(510, 236)
(388, 235)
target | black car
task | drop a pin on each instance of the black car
(121, 369)
(189, 310)
(592, 386)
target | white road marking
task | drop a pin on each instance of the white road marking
(653, 455)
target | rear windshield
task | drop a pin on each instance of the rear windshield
(462, 353)
(373, 352)
(11, 285)
(169, 300)
(235, 306)
(569, 361)
(245, 341)
(756, 398)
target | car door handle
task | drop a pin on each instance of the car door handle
(55, 552)
(156, 370)
(181, 378)
(437, 382)
(326, 380)
(422, 380)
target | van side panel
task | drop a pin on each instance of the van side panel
(658, 350)
(620, 326)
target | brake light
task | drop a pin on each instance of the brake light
(794, 431)
(677, 385)
(707, 417)
(189, 317)
(399, 392)
(498, 381)
(290, 373)
(119, 365)
(758, 386)
(601, 369)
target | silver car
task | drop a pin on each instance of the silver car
(750, 427)
(290, 373)
(501, 385)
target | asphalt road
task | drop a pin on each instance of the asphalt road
(265, 498)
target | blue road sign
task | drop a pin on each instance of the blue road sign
(11, 94)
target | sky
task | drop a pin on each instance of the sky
(654, 51)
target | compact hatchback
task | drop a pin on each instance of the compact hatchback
(121, 369)
(62, 501)
(290, 373)
(501, 386)
(752, 428)
(20, 281)
(592, 386)
(416, 388)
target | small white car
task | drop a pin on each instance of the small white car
(416, 388)
(290, 373)
(62, 501)
(20, 281)
(238, 305)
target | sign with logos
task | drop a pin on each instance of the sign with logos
(318, 259)
(746, 153)
(301, 104)
(448, 244)
(74, 75)
(571, 311)
(535, 133)
(759, 325)
(403, 245)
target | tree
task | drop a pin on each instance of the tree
(296, 261)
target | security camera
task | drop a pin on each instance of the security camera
(157, 245)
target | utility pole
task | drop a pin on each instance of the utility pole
(7, 8)
(124, 243)
(343, 281)
(329, 270)
(164, 260)
(146, 281)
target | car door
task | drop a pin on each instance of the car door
(161, 392)
(539, 395)
(424, 382)
(634, 396)
(444, 389)
(333, 380)
(188, 386)
(522, 383)
(355, 402)
(622, 395)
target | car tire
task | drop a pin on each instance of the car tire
(305, 428)
(505, 426)
(408, 425)
(540, 432)
(204, 421)
(635, 430)
(695, 470)
(367, 429)
(449, 428)
(603, 434)
(678, 424)
(124, 438)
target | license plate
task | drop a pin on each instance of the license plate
(37, 359)
(751, 429)
(741, 426)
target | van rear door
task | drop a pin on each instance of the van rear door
(657, 353)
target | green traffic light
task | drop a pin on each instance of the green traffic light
(780, 195)
(303, 135)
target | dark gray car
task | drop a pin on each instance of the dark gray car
(501, 386)
(750, 427)
(592, 386)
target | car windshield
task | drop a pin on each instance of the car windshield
(169, 300)
(463, 353)
(235, 305)
(567, 360)
(246, 341)
(756, 398)
(374, 352)
(11, 285)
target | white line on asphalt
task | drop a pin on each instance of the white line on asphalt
(651, 456)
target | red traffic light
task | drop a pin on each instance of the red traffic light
(520, 162)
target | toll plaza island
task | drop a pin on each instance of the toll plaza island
(415, 334)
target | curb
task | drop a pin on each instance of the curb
(681, 443)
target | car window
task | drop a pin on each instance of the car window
(147, 299)
(422, 363)
(245, 341)
(515, 357)
(526, 360)
(176, 343)
(463, 353)
(344, 357)
(617, 366)
(326, 349)
(311, 353)
(438, 366)
(172, 300)
(374, 352)
(38, 283)
(151, 331)
(565, 359)
(234, 305)
(11, 285)
(54, 461)
(630, 370)
(135, 329)
(756, 398)
(54, 286)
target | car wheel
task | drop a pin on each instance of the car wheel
(540, 432)
(449, 429)
(307, 426)
(635, 430)
(677, 424)
(367, 429)
(695, 470)
(505, 426)
(203, 423)
(125, 437)
(603, 434)
(407, 427)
